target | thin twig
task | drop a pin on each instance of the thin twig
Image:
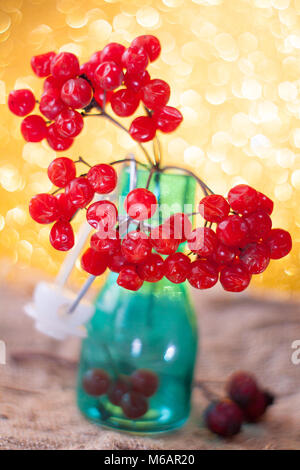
(203, 185)
(124, 160)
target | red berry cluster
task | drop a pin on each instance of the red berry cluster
(246, 402)
(115, 74)
(128, 392)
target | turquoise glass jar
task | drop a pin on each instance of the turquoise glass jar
(153, 328)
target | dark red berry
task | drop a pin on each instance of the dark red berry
(257, 406)
(179, 226)
(155, 94)
(134, 405)
(144, 381)
(124, 102)
(167, 118)
(96, 382)
(107, 245)
(21, 102)
(76, 93)
(56, 141)
(62, 236)
(108, 76)
(142, 129)
(233, 231)
(51, 104)
(61, 171)
(150, 43)
(118, 389)
(242, 198)
(93, 262)
(113, 52)
(202, 241)
(224, 254)
(152, 268)
(214, 208)
(255, 257)
(279, 243)
(66, 209)
(135, 59)
(64, 66)
(103, 178)
(224, 418)
(140, 204)
(34, 128)
(162, 240)
(117, 262)
(69, 123)
(40, 64)
(177, 267)
(129, 279)
(242, 388)
(43, 208)
(235, 278)
(136, 247)
(259, 224)
(80, 192)
(264, 203)
(135, 81)
(102, 215)
(202, 274)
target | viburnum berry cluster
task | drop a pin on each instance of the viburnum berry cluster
(246, 402)
(131, 393)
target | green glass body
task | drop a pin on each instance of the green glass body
(153, 328)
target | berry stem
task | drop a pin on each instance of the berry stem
(206, 190)
(211, 396)
(124, 160)
(81, 160)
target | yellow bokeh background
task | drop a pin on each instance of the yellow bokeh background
(234, 70)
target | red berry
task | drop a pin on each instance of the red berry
(167, 118)
(202, 274)
(124, 102)
(62, 236)
(52, 84)
(242, 198)
(136, 247)
(233, 231)
(155, 94)
(151, 45)
(96, 382)
(56, 141)
(93, 262)
(43, 208)
(179, 226)
(214, 208)
(113, 52)
(103, 178)
(135, 59)
(102, 215)
(202, 241)
(80, 192)
(69, 123)
(255, 257)
(135, 81)
(96, 58)
(279, 243)
(129, 279)
(242, 388)
(64, 66)
(142, 129)
(117, 262)
(99, 96)
(88, 70)
(107, 245)
(61, 171)
(117, 390)
(51, 104)
(140, 204)
(66, 209)
(177, 267)
(108, 76)
(224, 418)
(264, 203)
(77, 93)
(21, 102)
(224, 254)
(162, 240)
(235, 278)
(145, 382)
(152, 268)
(40, 64)
(257, 406)
(134, 405)
(34, 128)
(259, 224)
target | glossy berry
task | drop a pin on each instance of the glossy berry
(80, 192)
(242, 388)
(51, 104)
(117, 262)
(243, 199)
(107, 245)
(108, 76)
(134, 405)
(258, 406)
(142, 129)
(155, 94)
(124, 102)
(255, 257)
(214, 208)
(202, 241)
(76, 93)
(177, 267)
(113, 52)
(69, 123)
(87, 71)
(167, 118)
(259, 224)
(224, 418)
(102, 215)
(151, 269)
(96, 382)
(40, 64)
(144, 381)
(51, 83)
(118, 389)
(99, 94)
(279, 243)
(61, 171)
(233, 231)
(66, 209)
(43, 208)
(224, 254)
(136, 247)
(135, 59)
(162, 240)
(93, 262)
(150, 43)
(103, 178)
(21, 102)
(33, 128)
(202, 274)
(62, 236)
(179, 226)
(56, 141)
(135, 81)
(235, 278)
(129, 279)
(64, 66)
(140, 204)
(264, 203)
